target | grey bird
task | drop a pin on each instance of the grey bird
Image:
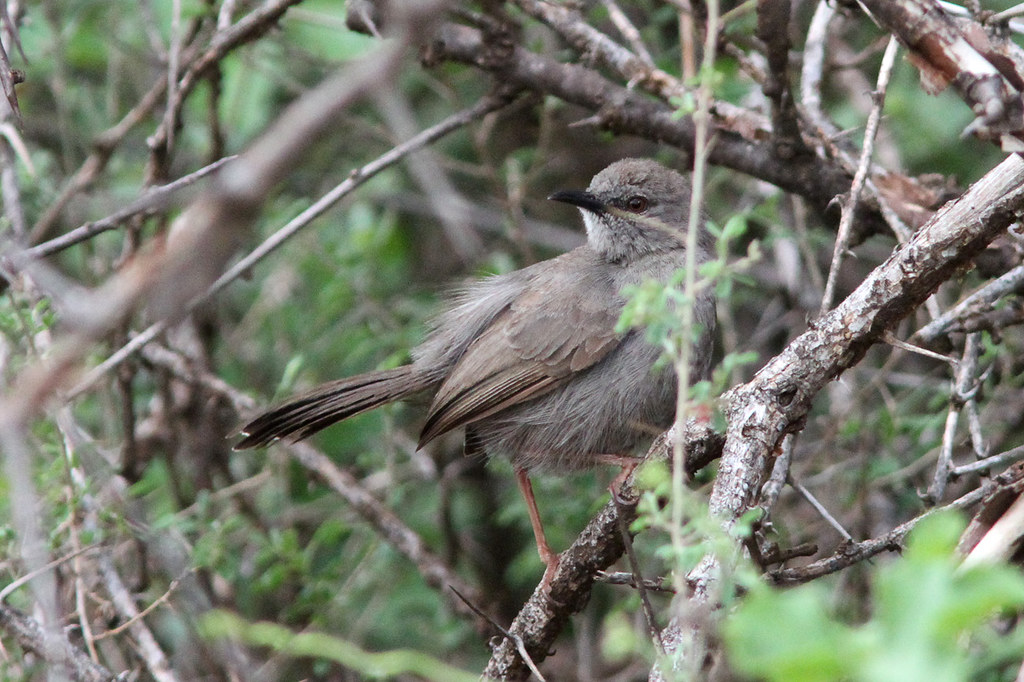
(530, 362)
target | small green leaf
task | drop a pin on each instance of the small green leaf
(788, 637)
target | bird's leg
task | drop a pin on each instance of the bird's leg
(547, 555)
(627, 463)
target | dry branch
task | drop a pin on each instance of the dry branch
(57, 651)
(193, 63)
(946, 55)
(626, 111)
(546, 613)
(434, 571)
(776, 401)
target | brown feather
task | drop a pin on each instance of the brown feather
(531, 348)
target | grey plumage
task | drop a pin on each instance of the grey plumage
(530, 361)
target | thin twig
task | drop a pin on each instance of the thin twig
(408, 542)
(851, 553)
(173, 57)
(780, 474)
(960, 392)
(820, 508)
(146, 643)
(814, 66)
(1003, 458)
(980, 300)
(292, 227)
(863, 168)
(520, 645)
(23, 579)
(810, 95)
(255, 481)
(773, 22)
(641, 588)
(150, 199)
(165, 358)
(146, 611)
(660, 584)
(978, 444)
(893, 340)
(628, 31)
(428, 171)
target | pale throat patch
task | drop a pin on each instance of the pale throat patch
(596, 232)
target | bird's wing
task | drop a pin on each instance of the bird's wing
(535, 344)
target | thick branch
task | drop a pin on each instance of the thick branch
(541, 620)
(776, 401)
(773, 31)
(778, 398)
(946, 56)
(622, 110)
(546, 613)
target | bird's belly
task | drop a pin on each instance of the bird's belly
(612, 408)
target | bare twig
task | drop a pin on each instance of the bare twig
(820, 508)
(427, 169)
(23, 579)
(32, 545)
(59, 654)
(589, 40)
(978, 443)
(1000, 460)
(850, 206)
(659, 584)
(638, 579)
(981, 300)
(354, 180)
(853, 553)
(814, 66)
(628, 31)
(434, 571)
(176, 365)
(150, 650)
(143, 613)
(961, 390)
(520, 646)
(152, 198)
(773, 31)
(780, 474)
(892, 340)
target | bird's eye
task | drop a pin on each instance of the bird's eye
(637, 203)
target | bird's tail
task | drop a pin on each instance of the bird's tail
(303, 416)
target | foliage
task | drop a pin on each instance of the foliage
(930, 620)
(250, 562)
(372, 665)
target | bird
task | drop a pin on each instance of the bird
(532, 363)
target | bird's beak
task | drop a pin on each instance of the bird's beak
(584, 200)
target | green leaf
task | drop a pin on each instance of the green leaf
(383, 665)
(788, 637)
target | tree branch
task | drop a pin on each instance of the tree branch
(625, 111)
(777, 400)
(56, 651)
